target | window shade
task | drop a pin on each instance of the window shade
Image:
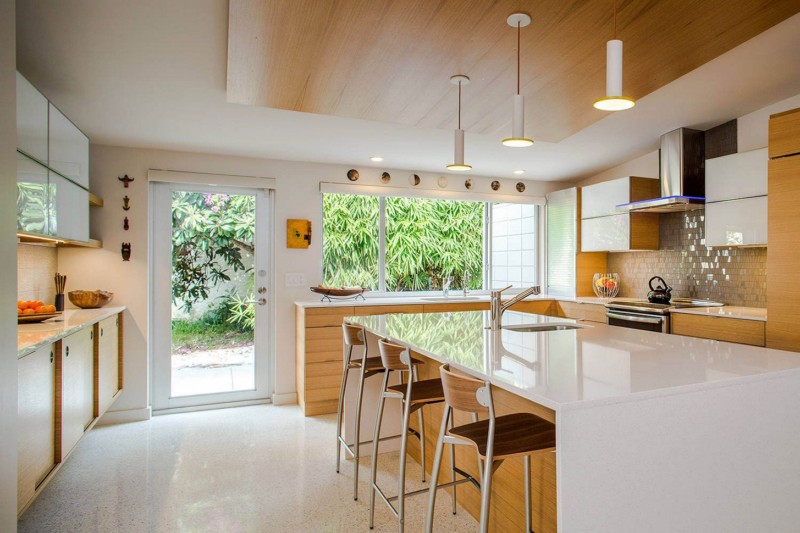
(562, 213)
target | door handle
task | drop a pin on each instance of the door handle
(260, 301)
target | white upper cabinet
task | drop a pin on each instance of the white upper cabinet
(606, 234)
(69, 148)
(742, 175)
(69, 211)
(737, 222)
(602, 199)
(31, 120)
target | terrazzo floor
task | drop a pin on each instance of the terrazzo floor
(249, 469)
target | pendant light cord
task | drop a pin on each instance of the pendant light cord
(615, 19)
(459, 104)
(518, 41)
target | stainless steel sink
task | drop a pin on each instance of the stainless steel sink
(452, 299)
(543, 327)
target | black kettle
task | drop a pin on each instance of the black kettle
(661, 293)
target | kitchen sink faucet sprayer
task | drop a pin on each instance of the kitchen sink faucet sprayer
(498, 307)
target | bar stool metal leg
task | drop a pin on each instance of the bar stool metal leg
(453, 469)
(375, 442)
(421, 418)
(345, 372)
(357, 441)
(437, 463)
(401, 482)
(527, 475)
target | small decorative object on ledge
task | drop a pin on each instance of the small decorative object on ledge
(90, 299)
(520, 187)
(298, 233)
(495, 185)
(442, 182)
(605, 285)
(61, 283)
(335, 293)
(125, 225)
(414, 180)
(125, 205)
(126, 251)
(352, 174)
(385, 177)
(126, 180)
(468, 184)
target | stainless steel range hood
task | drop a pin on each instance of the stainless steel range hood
(682, 172)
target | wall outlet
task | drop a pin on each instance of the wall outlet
(295, 280)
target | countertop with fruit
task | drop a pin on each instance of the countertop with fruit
(33, 336)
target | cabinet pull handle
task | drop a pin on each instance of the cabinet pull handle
(91, 335)
(101, 332)
(67, 351)
(51, 356)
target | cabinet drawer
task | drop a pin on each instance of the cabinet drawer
(318, 317)
(446, 308)
(583, 311)
(737, 222)
(719, 328)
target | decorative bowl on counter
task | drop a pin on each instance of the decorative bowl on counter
(605, 285)
(342, 293)
(90, 299)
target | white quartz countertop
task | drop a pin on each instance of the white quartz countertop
(572, 369)
(728, 311)
(454, 298)
(33, 336)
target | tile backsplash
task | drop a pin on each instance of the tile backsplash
(734, 276)
(36, 267)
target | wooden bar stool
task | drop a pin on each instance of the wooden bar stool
(367, 367)
(414, 395)
(496, 439)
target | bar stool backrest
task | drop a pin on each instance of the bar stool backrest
(353, 335)
(464, 393)
(394, 356)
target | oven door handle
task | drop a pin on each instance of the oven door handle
(658, 320)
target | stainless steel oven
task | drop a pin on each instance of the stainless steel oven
(637, 320)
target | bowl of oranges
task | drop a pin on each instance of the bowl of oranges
(29, 311)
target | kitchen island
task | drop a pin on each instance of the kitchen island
(655, 432)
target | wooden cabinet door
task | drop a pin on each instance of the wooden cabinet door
(784, 134)
(36, 419)
(107, 362)
(77, 378)
(783, 275)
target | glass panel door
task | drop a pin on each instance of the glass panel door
(210, 295)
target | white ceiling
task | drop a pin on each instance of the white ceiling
(152, 74)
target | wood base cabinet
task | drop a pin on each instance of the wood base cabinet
(77, 378)
(36, 410)
(109, 382)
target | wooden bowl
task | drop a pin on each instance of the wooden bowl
(90, 299)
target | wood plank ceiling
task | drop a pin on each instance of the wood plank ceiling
(391, 60)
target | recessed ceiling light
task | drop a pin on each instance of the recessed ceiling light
(519, 172)
(376, 158)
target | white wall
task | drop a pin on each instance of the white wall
(297, 196)
(8, 266)
(645, 166)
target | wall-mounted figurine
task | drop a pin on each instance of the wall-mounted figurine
(442, 182)
(126, 180)
(495, 185)
(414, 180)
(385, 177)
(126, 251)
(125, 205)
(468, 184)
(520, 187)
(125, 225)
(352, 174)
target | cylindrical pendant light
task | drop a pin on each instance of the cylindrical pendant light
(518, 139)
(614, 101)
(458, 157)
